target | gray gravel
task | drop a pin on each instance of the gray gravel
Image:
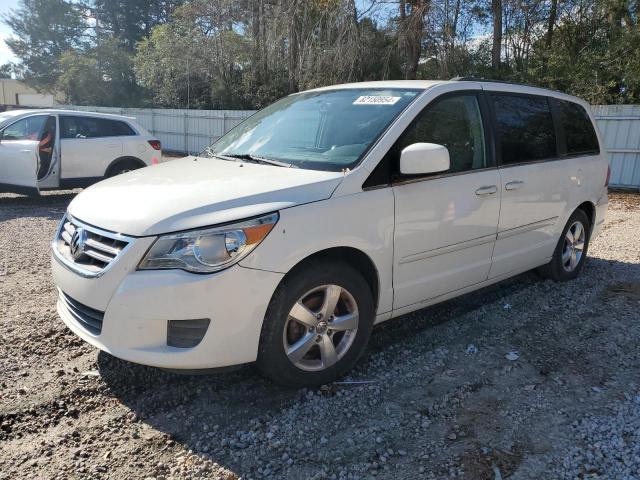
(525, 379)
(609, 445)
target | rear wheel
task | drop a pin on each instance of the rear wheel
(317, 325)
(571, 250)
(123, 166)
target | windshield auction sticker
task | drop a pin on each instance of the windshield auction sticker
(376, 100)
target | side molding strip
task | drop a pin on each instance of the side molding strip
(448, 249)
(414, 257)
(547, 222)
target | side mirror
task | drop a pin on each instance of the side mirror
(423, 158)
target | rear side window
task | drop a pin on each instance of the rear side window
(525, 128)
(580, 136)
(90, 127)
(120, 129)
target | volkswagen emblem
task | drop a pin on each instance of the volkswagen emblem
(78, 239)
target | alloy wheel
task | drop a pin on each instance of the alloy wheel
(573, 247)
(320, 328)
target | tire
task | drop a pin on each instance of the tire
(312, 286)
(562, 269)
(121, 167)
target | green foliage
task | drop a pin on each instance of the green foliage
(593, 53)
(130, 20)
(102, 76)
(247, 53)
(6, 70)
(42, 31)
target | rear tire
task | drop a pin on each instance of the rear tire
(123, 166)
(317, 325)
(571, 250)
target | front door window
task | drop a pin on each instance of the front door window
(456, 123)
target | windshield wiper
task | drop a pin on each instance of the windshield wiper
(255, 159)
(209, 153)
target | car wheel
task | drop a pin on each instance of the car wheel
(123, 167)
(317, 325)
(571, 250)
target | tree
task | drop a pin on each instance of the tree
(411, 26)
(6, 70)
(130, 20)
(102, 76)
(43, 31)
(496, 48)
(247, 53)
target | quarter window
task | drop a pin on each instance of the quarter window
(25, 129)
(456, 123)
(92, 127)
(525, 128)
(579, 134)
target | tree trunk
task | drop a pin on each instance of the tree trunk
(255, 33)
(553, 13)
(496, 49)
(293, 49)
(263, 40)
(412, 27)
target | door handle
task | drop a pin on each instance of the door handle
(26, 151)
(515, 185)
(488, 190)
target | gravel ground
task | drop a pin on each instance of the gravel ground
(527, 379)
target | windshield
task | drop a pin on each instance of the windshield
(325, 130)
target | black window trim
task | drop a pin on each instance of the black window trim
(136, 133)
(489, 140)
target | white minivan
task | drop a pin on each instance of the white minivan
(50, 149)
(325, 213)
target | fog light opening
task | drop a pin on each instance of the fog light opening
(186, 333)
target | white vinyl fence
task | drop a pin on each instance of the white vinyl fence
(190, 131)
(186, 131)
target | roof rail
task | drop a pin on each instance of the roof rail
(476, 79)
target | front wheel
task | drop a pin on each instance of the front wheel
(317, 325)
(571, 250)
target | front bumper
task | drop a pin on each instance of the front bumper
(138, 304)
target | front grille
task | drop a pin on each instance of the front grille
(88, 318)
(92, 250)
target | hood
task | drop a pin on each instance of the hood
(197, 192)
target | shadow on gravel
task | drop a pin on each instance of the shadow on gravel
(399, 329)
(48, 205)
(202, 412)
(178, 405)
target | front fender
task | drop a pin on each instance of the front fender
(364, 221)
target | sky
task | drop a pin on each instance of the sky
(5, 53)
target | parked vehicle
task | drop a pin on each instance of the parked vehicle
(49, 149)
(325, 213)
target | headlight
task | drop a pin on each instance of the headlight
(208, 250)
